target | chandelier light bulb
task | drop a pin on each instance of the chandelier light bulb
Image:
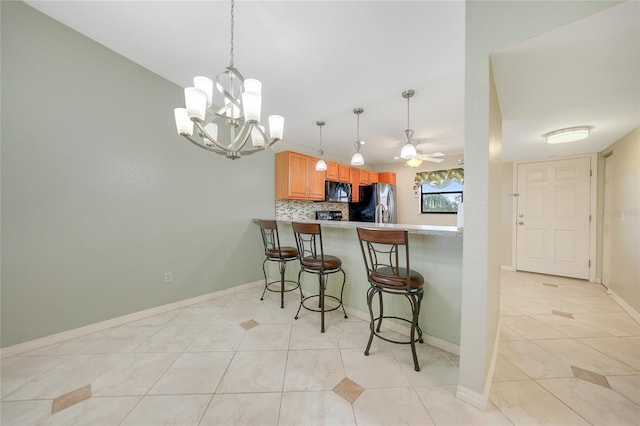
(196, 102)
(184, 125)
(257, 140)
(276, 126)
(206, 85)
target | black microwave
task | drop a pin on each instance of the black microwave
(337, 192)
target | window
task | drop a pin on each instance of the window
(440, 191)
(442, 200)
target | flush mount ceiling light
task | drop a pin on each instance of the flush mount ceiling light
(408, 150)
(358, 159)
(239, 114)
(569, 134)
(321, 165)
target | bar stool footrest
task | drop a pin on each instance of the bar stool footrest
(296, 285)
(326, 296)
(377, 320)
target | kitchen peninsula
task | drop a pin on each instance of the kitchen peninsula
(436, 252)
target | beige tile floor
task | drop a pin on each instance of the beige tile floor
(567, 355)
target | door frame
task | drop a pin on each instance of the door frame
(593, 209)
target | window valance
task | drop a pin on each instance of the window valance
(439, 178)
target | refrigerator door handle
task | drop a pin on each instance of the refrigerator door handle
(392, 206)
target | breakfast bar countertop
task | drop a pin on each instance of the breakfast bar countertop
(449, 231)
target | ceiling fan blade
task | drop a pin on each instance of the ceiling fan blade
(433, 160)
(430, 157)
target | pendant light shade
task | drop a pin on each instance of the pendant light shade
(357, 159)
(321, 165)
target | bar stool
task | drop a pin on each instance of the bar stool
(386, 258)
(313, 260)
(273, 252)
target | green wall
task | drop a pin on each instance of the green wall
(100, 196)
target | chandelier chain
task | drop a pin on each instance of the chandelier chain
(232, 28)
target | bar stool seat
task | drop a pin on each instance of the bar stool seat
(313, 260)
(386, 258)
(274, 252)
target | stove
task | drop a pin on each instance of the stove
(329, 215)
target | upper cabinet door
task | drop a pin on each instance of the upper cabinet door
(297, 178)
(343, 173)
(332, 171)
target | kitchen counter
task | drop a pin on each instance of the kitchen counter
(445, 231)
(436, 252)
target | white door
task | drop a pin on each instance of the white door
(606, 226)
(553, 217)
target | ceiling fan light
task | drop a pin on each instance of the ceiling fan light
(408, 151)
(414, 162)
(569, 134)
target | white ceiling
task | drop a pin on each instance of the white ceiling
(318, 60)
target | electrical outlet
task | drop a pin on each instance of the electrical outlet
(168, 277)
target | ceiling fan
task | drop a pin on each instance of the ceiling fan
(434, 157)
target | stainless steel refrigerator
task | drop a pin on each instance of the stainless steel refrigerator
(377, 203)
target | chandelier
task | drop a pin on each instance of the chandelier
(357, 159)
(408, 150)
(239, 114)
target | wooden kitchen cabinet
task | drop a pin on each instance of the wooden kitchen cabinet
(332, 171)
(297, 178)
(387, 177)
(364, 177)
(343, 173)
(337, 172)
(353, 179)
(373, 177)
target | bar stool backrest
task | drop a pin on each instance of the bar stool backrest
(270, 238)
(308, 239)
(386, 257)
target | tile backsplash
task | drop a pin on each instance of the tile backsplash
(297, 210)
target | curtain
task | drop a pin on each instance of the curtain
(439, 178)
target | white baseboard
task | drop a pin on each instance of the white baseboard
(469, 396)
(624, 305)
(135, 316)
(477, 399)
(399, 328)
(114, 322)
(507, 268)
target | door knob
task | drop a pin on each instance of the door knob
(520, 223)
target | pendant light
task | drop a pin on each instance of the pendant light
(321, 165)
(358, 159)
(408, 150)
